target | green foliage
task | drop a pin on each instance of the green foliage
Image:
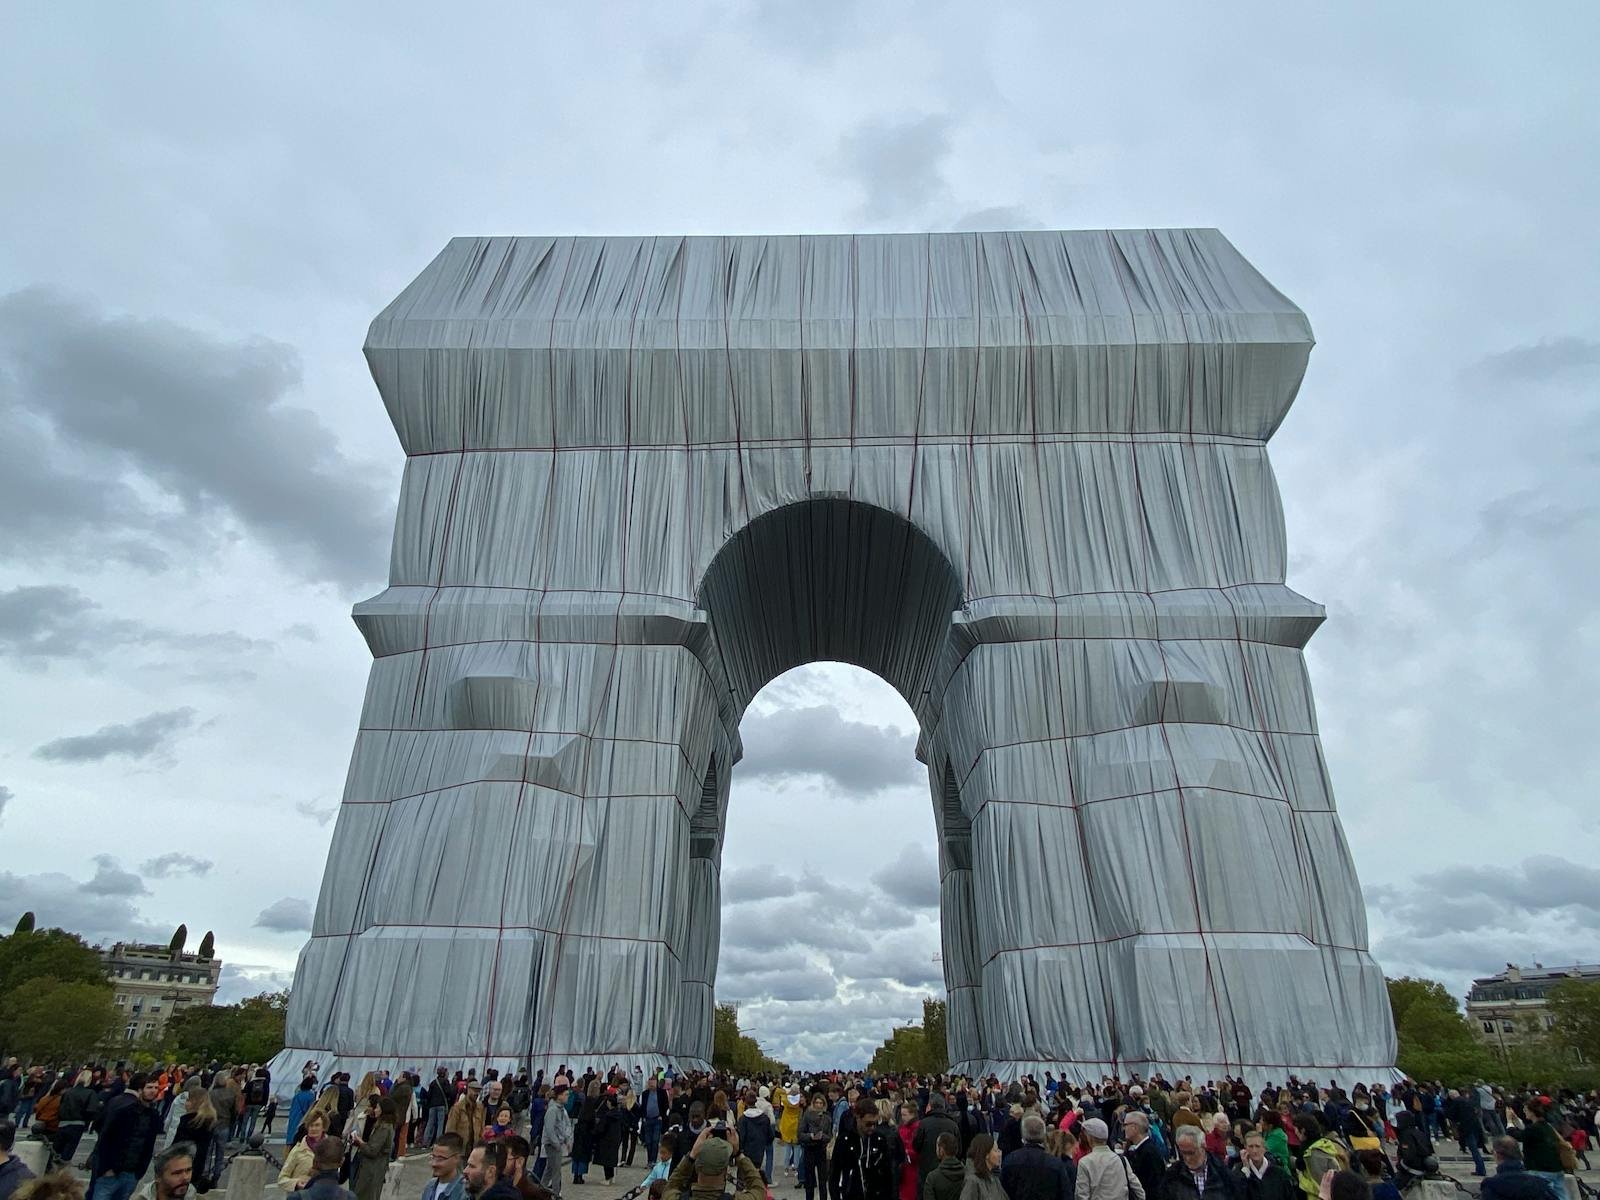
(922, 1049)
(53, 1022)
(24, 923)
(180, 935)
(248, 1032)
(1435, 1040)
(208, 947)
(1575, 1005)
(48, 954)
(736, 1051)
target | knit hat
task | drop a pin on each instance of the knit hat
(713, 1157)
(1096, 1128)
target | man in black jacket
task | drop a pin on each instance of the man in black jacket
(1262, 1178)
(1142, 1152)
(127, 1140)
(1030, 1172)
(1196, 1175)
(925, 1141)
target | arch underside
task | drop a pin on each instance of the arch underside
(1063, 547)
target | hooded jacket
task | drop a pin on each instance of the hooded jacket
(945, 1180)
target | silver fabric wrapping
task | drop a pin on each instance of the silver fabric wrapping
(1022, 476)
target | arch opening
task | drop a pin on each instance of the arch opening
(830, 579)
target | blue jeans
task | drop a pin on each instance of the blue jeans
(650, 1138)
(250, 1115)
(114, 1187)
(435, 1125)
(24, 1112)
(766, 1166)
(1556, 1179)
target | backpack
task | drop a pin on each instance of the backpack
(255, 1092)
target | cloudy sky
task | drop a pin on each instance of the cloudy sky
(204, 206)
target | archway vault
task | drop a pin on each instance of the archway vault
(1022, 477)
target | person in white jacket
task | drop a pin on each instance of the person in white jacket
(1102, 1174)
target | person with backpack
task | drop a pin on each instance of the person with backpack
(257, 1094)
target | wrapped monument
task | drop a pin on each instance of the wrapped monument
(1021, 476)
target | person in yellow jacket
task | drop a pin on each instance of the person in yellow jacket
(786, 1106)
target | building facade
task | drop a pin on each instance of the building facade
(1512, 1006)
(152, 983)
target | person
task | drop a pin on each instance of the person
(79, 1104)
(556, 1138)
(173, 1172)
(1103, 1175)
(299, 1164)
(436, 1099)
(930, 1129)
(1511, 1179)
(299, 1104)
(1541, 1145)
(13, 1171)
(983, 1178)
(1376, 1168)
(663, 1164)
(1277, 1138)
(911, 1175)
(702, 1173)
(1217, 1137)
(755, 1133)
(501, 1125)
(466, 1119)
(945, 1181)
(1031, 1172)
(32, 1091)
(323, 1183)
(652, 1110)
(486, 1173)
(583, 1131)
(1415, 1150)
(518, 1151)
(1260, 1174)
(880, 1156)
(1195, 1174)
(257, 1095)
(374, 1150)
(816, 1130)
(128, 1140)
(1344, 1185)
(445, 1161)
(47, 1112)
(790, 1107)
(198, 1127)
(1141, 1151)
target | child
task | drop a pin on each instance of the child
(663, 1164)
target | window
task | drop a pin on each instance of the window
(1549, 1021)
(132, 1031)
(155, 1008)
(121, 1000)
(1507, 1027)
(1488, 1026)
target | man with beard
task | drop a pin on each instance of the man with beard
(127, 1140)
(174, 1170)
(486, 1173)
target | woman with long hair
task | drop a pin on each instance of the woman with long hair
(199, 1126)
(374, 1150)
(983, 1170)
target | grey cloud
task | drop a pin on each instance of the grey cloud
(174, 863)
(755, 883)
(111, 880)
(288, 915)
(49, 622)
(898, 164)
(140, 739)
(997, 217)
(803, 983)
(1542, 360)
(320, 813)
(6, 797)
(912, 878)
(816, 742)
(239, 981)
(98, 402)
(59, 901)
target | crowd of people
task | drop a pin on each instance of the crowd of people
(834, 1136)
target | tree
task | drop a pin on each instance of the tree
(180, 937)
(1435, 1040)
(935, 1027)
(208, 947)
(250, 1031)
(735, 1051)
(55, 1022)
(1575, 1005)
(24, 923)
(52, 954)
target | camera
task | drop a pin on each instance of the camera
(719, 1129)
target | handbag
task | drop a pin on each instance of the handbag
(1368, 1141)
